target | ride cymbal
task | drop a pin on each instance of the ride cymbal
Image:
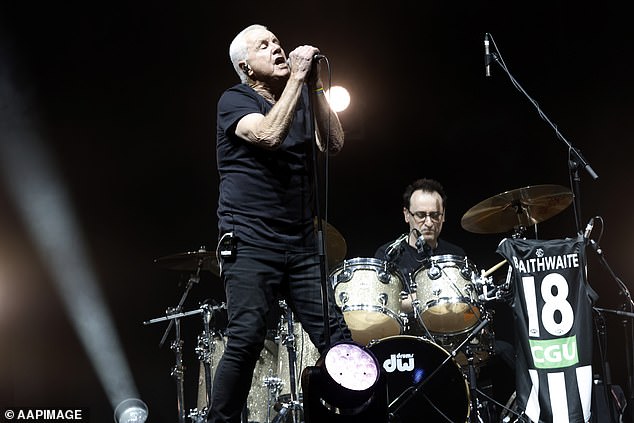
(518, 208)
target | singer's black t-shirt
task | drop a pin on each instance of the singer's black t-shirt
(266, 196)
(407, 258)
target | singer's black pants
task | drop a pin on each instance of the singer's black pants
(253, 282)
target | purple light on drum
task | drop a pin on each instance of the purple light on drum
(351, 366)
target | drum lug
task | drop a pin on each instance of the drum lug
(434, 272)
(343, 297)
(344, 276)
(383, 299)
(466, 273)
(384, 276)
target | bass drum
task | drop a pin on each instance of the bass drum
(408, 360)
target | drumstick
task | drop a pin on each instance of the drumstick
(493, 269)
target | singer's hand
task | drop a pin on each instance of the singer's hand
(301, 62)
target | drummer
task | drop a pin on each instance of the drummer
(424, 202)
(424, 207)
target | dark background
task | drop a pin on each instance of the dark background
(123, 95)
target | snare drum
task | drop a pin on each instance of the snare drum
(368, 290)
(408, 361)
(446, 291)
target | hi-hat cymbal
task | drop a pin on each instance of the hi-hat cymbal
(190, 261)
(518, 208)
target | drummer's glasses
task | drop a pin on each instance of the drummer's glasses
(422, 216)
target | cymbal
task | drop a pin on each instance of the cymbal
(190, 261)
(336, 246)
(520, 207)
(336, 249)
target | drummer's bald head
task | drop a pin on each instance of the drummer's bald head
(425, 185)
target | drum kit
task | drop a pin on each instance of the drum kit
(442, 342)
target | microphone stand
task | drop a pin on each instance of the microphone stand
(321, 242)
(628, 327)
(576, 159)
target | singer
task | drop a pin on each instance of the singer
(266, 203)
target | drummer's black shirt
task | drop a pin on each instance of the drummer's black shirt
(407, 258)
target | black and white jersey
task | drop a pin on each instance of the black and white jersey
(553, 324)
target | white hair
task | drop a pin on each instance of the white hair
(238, 49)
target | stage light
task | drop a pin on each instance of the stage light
(345, 384)
(338, 97)
(40, 195)
(131, 410)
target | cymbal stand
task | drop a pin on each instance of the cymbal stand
(288, 340)
(177, 344)
(474, 400)
(178, 371)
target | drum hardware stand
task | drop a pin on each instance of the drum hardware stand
(178, 370)
(294, 405)
(474, 402)
(418, 316)
(174, 315)
(204, 350)
(628, 327)
(274, 385)
(408, 394)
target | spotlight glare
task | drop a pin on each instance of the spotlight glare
(351, 367)
(338, 97)
(131, 410)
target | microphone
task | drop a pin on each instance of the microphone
(589, 227)
(316, 58)
(487, 56)
(421, 245)
(392, 249)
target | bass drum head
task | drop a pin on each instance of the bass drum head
(408, 360)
